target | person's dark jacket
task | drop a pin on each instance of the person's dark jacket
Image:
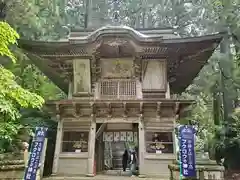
(125, 160)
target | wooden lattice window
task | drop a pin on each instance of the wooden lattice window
(118, 89)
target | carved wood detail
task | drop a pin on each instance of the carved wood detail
(144, 67)
(109, 105)
(154, 50)
(93, 108)
(151, 112)
(158, 109)
(64, 68)
(141, 109)
(75, 110)
(138, 67)
(58, 111)
(176, 110)
(95, 68)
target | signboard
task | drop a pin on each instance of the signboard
(35, 153)
(187, 153)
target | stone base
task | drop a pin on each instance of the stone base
(90, 175)
(142, 176)
(12, 174)
(206, 169)
(99, 177)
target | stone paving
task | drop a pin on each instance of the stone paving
(101, 177)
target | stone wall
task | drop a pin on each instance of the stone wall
(11, 166)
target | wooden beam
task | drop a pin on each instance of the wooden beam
(158, 109)
(141, 138)
(58, 112)
(58, 142)
(109, 109)
(177, 105)
(91, 147)
(100, 130)
(124, 110)
(133, 101)
(93, 108)
(141, 107)
(176, 111)
(75, 113)
(118, 120)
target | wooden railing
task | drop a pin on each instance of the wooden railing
(118, 89)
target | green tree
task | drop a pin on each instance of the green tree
(12, 95)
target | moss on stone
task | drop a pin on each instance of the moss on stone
(11, 162)
(12, 167)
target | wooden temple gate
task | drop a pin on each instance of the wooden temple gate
(93, 117)
(116, 78)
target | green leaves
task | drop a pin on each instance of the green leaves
(12, 95)
(8, 36)
(11, 90)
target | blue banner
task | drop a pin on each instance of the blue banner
(187, 152)
(35, 153)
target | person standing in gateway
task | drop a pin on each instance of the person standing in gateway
(125, 160)
(133, 162)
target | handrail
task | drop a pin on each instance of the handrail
(117, 89)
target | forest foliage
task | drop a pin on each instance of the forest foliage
(12, 95)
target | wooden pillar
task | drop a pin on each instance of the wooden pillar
(58, 145)
(141, 136)
(70, 90)
(100, 154)
(167, 94)
(43, 156)
(91, 147)
(139, 89)
(175, 138)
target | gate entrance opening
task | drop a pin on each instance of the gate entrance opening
(111, 142)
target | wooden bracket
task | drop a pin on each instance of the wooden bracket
(93, 108)
(176, 111)
(75, 111)
(159, 109)
(124, 109)
(137, 66)
(141, 117)
(58, 111)
(177, 105)
(141, 109)
(109, 105)
(58, 108)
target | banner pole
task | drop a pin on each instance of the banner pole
(180, 161)
(35, 155)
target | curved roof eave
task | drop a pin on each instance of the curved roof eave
(194, 39)
(210, 40)
(147, 40)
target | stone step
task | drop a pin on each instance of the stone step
(99, 177)
(117, 172)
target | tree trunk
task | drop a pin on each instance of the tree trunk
(96, 14)
(86, 14)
